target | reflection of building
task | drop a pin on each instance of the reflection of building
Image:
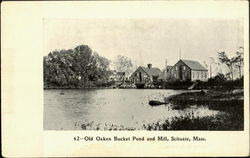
(117, 76)
(188, 70)
(145, 74)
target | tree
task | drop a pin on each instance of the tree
(84, 63)
(123, 64)
(230, 62)
(77, 67)
(102, 71)
(223, 58)
(239, 59)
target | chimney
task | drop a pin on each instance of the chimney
(149, 65)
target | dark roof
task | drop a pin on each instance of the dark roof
(153, 71)
(194, 65)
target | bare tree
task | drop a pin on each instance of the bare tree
(239, 60)
(230, 62)
(123, 64)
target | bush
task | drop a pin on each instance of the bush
(221, 121)
(220, 82)
(178, 84)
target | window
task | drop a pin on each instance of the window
(167, 70)
(176, 68)
(205, 75)
(184, 67)
(201, 74)
(198, 75)
(193, 74)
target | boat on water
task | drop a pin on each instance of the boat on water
(155, 103)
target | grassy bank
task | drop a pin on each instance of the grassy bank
(216, 100)
(222, 121)
(229, 103)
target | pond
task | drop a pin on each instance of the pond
(93, 109)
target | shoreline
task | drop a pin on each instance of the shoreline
(208, 97)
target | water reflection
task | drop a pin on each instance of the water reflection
(102, 108)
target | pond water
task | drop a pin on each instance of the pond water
(70, 109)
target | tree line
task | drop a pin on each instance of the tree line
(230, 68)
(80, 67)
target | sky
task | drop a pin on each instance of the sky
(147, 40)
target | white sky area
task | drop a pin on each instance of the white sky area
(147, 40)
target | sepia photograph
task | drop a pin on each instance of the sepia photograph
(152, 74)
(99, 79)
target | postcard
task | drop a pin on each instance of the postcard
(125, 78)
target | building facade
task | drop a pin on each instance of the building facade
(191, 70)
(145, 74)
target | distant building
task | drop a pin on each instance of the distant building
(166, 75)
(145, 74)
(188, 70)
(117, 76)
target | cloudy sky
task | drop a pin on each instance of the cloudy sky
(147, 40)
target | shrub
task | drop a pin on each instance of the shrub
(178, 84)
(220, 82)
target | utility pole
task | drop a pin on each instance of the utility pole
(180, 53)
(211, 61)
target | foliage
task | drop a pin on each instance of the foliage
(78, 67)
(221, 121)
(239, 60)
(220, 82)
(177, 84)
(219, 78)
(123, 64)
(223, 58)
(232, 63)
